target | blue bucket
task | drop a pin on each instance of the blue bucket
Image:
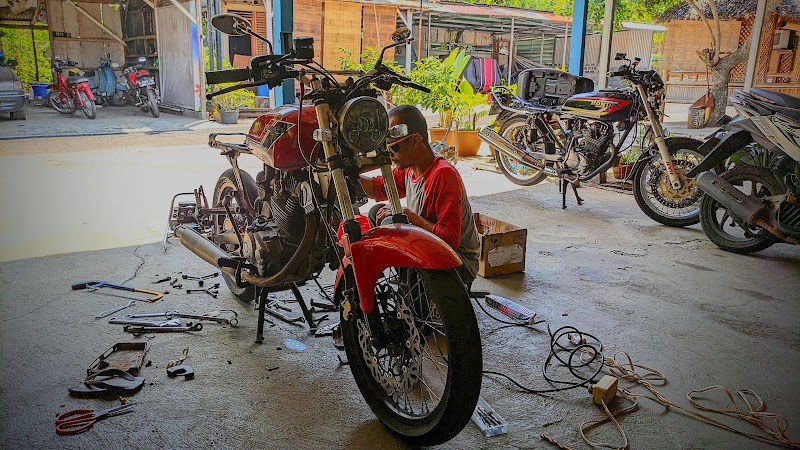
(262, 91)
(39, 90)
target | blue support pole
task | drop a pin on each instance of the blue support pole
(580, 14)
(283, 26)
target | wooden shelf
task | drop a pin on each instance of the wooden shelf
(87, 39)
(138, 38)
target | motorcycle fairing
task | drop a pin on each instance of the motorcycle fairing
(727, 146)
(398, 245)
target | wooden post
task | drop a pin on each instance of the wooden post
(511, 51)
(605, 43)
(755, 44)
(564, 53)
(419, 34)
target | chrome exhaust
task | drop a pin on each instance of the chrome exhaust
(202, 247)
(501, 144)
(740, 205)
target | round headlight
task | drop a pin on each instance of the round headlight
(363, 124)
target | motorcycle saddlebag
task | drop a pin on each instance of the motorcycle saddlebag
(550, 87)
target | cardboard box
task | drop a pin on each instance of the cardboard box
(502, 246)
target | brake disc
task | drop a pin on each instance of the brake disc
(397, 375)
(662, 190)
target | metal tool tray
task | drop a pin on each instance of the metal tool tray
(127, 356)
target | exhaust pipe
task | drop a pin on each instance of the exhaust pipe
(740, 205)
(212, 254)
(501, 144)
(202, 247)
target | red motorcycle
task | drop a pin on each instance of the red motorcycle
(142, 90)
(408, 328)
(68, 94)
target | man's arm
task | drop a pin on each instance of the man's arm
(443, 203)
(368, 183)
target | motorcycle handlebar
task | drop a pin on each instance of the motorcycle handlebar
(228, 76)
(412, 85)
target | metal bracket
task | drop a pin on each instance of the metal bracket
(323, 135)
(307, 197)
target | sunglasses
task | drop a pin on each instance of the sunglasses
(391, 146)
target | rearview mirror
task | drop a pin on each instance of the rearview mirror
(620, 56)
(11, 63)
(401, 34)
(231, 24)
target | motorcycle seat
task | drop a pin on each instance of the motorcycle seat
(76, 80)
(777, 98)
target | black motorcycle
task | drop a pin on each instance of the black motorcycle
(560, 127)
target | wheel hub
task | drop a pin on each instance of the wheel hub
(662, 190)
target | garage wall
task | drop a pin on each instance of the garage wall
(342, 28)
(88, 42)
(379, 23)
(179, 74)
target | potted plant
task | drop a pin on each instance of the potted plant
(470, 106)
(625, 165)
(229, 104)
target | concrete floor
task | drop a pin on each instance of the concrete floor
(666, 296)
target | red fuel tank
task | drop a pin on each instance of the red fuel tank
(608, 105)
(273, 137)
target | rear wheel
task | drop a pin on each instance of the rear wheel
(151, 100)
(61, 103)
(514, 170)
(417, 358)
(89, 108)
(722, 229)
(654, 193)
(222, 224)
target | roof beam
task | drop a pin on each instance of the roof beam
(96, 22)
(184, 11)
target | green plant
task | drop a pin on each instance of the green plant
(442, 77)
(630, 156)
(234, 100)
(470, 106)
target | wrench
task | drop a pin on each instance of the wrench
(109, 312)
(144, 323)
(137, 330)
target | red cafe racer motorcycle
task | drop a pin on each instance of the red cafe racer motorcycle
(408, 327)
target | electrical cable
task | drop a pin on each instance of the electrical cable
(555, 349)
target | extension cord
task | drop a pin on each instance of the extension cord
(605, 390)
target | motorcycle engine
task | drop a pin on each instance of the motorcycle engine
(589, 146)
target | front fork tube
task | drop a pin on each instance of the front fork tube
(658, 135)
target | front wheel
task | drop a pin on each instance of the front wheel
(417, 357)
(720, 227)
(151, 100)
(517, 172)
(226, 185)
(654, 193)
(89, 108)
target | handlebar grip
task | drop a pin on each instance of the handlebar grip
(416, 86)
(228, 76)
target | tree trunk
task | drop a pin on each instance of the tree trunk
(720, 76)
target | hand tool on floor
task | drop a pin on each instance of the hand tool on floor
(201, 278)
(95, 285)
(80, 420)
(145, 323)
(180, 360)
(212, 316)
(137, 330)
(183, 370)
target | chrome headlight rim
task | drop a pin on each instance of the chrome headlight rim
(363, 111)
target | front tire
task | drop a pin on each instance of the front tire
(720, 227)
(221, 224)
(656, 197)
(151, 100)
(420, 373)
(514, 170)
(89, 108)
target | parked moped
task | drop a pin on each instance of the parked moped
(67, 94)
(409, 331)
(108, 90)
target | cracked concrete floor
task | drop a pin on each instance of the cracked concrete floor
(666, 296)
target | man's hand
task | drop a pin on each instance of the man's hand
(416, 219)
(383, 213)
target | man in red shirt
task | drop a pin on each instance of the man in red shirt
(435, 194)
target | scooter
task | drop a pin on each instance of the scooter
(109, 91)
(753, 203)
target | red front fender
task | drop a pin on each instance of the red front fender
(398, 245)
